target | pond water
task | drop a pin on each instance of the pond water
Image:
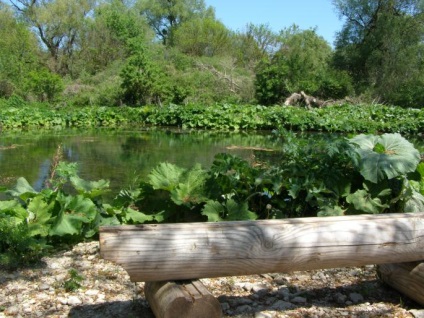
(121, 155)
(118, 155)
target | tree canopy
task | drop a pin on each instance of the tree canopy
(137, 52)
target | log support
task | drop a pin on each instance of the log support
(181, 299)
(408, 278)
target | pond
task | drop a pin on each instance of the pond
(118, 155)
(123, 156)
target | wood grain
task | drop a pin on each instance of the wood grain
(159, 252)
(408, 278)
(185, 299)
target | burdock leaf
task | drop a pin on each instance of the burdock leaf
(386, 156)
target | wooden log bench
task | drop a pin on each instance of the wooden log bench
(189, 251)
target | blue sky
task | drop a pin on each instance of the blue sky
(279, 14)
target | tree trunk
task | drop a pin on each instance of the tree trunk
(159, 252)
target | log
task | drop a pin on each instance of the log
(185, 299)
(159, 252)
(408, 278)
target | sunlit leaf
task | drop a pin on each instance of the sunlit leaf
(136, 216)
(191, 189)
(364, 203)
(165, 176)
(239, 211)
(213, 211)
(22, 190)
(331, 211)
(386, 156)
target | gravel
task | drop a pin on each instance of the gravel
(106, 291)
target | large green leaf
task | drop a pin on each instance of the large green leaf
(91, 189)
(40, 216)
(14, 209)
(364, 203)
(229, 210)
(165, 176)
(135, 217)
(22, 190)
(386, 156)
(75, 211)
(191, 189)
(213, 211)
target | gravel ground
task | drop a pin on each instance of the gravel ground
(106, 291)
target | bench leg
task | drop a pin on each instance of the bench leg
(181, 299)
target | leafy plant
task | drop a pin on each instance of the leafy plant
(73, 283)
(386, 156)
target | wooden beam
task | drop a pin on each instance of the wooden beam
(188, 299)
(159, 252)
(408, 278)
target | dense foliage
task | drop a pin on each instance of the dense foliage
(113, 52)
(14, 113)
(333, 176)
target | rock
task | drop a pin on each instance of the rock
(263, 315)
(340, 298)
(92, 292)
(282, 305)
(73, 301)
(243, 309)
(299, 300)
(417, 313)
(260, 289)
(43, 287)
(356, 298)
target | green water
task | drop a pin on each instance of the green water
(125, 156)
(119, 156)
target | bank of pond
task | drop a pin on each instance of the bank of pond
(60, 184)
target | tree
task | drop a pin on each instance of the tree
(299, 65)
(143, 82)
(202, 37)
(380, 45)
(254, 43)
(164, 16)
(19, 52)
(58, 24)
(107, 34)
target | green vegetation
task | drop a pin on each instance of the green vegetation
(15, 114)
(114, 63)
(155, 52)
(331, 176)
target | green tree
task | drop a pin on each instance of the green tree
(202, 37)
(59, 25)
(106, 36)
(381, 46)
(45, 85)
(164, 16)
(299, 65)
(253, 44)
(143, 81)
(18, 52)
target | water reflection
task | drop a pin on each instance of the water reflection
(117, 155)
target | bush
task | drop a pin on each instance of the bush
(45, 85)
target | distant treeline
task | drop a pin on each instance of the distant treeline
(155, 52)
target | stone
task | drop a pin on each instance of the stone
(73, 301)
(356, 298)
(282, 305)
(299, 300)
(417, 313)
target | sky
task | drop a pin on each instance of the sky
(279, 14)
